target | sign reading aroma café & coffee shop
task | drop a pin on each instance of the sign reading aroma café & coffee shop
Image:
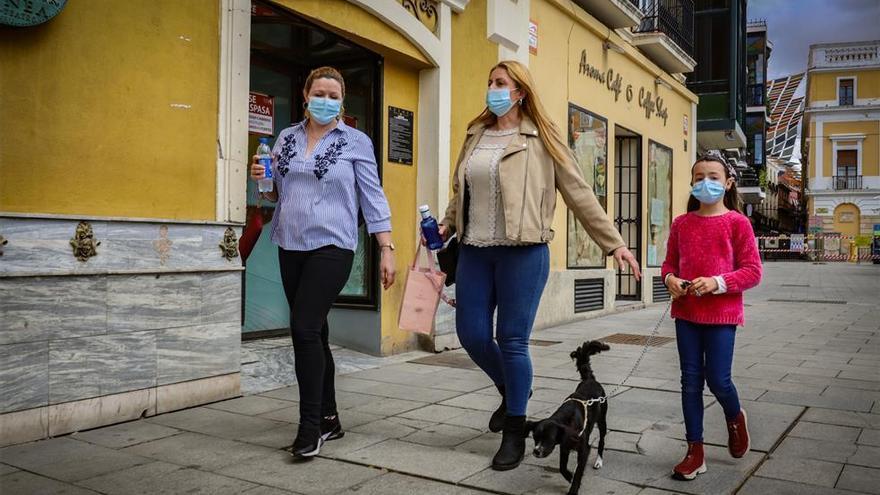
(614, 82)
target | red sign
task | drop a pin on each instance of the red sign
(261, 114)
(350, 121)
(260, 11)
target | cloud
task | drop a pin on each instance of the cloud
(794, 25)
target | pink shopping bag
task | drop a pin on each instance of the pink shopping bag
(421, 295)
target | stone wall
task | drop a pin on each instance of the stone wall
(151, 323)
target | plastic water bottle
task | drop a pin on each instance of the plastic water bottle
(430, 229)
(266, 184)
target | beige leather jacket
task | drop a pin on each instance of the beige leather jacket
(529, 178)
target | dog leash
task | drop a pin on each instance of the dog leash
(644, 350)
(604, 398)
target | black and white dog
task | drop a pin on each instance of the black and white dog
(570, 426)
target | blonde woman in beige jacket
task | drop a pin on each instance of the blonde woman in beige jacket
(511, 165)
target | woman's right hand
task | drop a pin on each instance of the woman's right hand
(673, 283)
(258, 171)
(444, 234)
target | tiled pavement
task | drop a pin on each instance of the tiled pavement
(808, 374)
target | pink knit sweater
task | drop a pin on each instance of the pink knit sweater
(708, 246)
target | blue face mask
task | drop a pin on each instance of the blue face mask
(708, 191)
(498, 101)
(323, 110)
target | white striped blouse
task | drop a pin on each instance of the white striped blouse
(319, 195)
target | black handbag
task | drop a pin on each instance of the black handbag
(447, 258)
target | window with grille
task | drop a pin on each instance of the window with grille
(847, 162)
(845, 91)
(847, 170)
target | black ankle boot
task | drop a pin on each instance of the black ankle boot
(513, 444)
(496, 422)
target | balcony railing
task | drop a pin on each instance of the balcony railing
(748, 182)
(845, 182)
(675, 18)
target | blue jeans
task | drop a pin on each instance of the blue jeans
(511, 279)
(705, 353)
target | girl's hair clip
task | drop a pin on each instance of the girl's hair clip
(714, 156)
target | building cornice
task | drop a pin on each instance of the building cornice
(860, 68)
(845, 109)
(846, 192)
(457, 6)
(847, 137)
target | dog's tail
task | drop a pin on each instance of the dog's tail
(582, 356)
(595, 347)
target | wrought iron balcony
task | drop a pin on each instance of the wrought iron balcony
(674, 18)
(846, 182)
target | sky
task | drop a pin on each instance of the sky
(794, 25)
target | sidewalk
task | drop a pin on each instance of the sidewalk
(807, 367)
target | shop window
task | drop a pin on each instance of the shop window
(588, 140)
(845, 93)
(659, 201)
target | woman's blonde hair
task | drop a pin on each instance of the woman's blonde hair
(531, 107)
(326, 73)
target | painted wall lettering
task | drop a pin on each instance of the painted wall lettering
(614, 82)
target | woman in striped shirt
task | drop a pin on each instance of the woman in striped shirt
(323, 172)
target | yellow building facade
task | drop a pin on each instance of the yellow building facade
(126, 136)
(842, 129)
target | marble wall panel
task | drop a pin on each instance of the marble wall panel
(198, 351)
(24, 376)
(45, 308)
(145, 302)
(221, 297)
(42, 246)
(101, 365)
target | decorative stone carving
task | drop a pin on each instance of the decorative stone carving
(229, 245)
(83, 242)
(423, 10)
(162, 245)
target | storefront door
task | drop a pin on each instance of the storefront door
(284, 49)
(628, 205)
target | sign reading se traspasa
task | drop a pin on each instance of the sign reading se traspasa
(261, 114)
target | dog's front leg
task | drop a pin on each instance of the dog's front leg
(563, 463)
(583, 453)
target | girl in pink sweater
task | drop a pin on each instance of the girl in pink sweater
(711, 258)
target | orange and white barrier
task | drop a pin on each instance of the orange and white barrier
(817, 247)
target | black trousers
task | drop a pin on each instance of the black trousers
(312, 281)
